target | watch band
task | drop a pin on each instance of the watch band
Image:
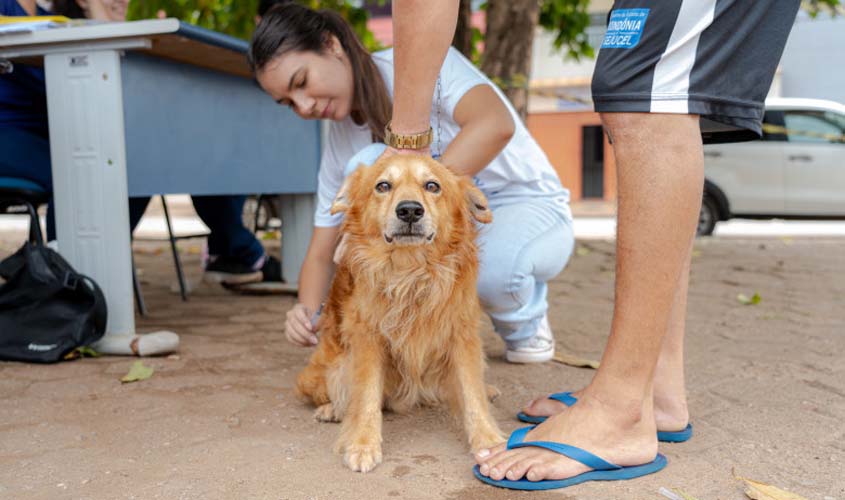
(407, 141)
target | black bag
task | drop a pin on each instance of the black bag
(46, 308)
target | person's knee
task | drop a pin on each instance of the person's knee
(504, 291)
(648, 126)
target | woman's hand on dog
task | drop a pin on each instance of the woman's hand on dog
(298, 328)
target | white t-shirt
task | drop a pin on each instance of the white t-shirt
(521, 170)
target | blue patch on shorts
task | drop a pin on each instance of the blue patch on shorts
(624, 28)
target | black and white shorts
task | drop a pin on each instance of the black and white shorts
(714, 58)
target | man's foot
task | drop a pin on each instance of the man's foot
(230, 271)
(537, 349)
(670, 414)
(614, 433)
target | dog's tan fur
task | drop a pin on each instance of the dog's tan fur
(400, 325)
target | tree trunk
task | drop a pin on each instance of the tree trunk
(463, 32)
(507, 47)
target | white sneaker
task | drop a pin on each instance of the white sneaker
(537, 349)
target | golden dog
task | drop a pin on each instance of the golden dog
(400, 325)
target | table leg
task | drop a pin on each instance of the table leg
(85, 104)
(297, 225)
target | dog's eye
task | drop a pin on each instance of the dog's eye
(432, 187)
(383, 187)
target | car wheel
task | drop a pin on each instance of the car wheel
(708, 217)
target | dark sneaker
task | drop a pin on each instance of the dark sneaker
(272, 270)
(271, 283)
(231, 271)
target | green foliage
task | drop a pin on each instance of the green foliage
(815, 6)
(237, 17)
(568, 20)
(233, 17)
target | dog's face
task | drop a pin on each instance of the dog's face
(409, 201)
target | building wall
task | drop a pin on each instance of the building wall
(810, 66)
(561, 137)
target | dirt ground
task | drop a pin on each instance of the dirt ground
(219, 421)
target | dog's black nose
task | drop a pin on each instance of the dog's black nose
(409, 211)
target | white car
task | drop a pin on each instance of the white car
(796, 171)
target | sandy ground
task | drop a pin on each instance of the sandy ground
(219, 421)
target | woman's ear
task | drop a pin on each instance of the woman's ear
(333, 46)
(476, 202)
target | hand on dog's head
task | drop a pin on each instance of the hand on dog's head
(410, 201)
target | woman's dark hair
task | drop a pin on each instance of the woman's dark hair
(292, 27)
(265, 5)
(68, 8)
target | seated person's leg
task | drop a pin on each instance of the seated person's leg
(26, 155)
(527, 244)
(236, 255)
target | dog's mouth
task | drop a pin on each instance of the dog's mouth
(408, 238)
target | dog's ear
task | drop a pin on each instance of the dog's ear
(343, 199)
(477, 202)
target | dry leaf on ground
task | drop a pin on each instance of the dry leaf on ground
(749, 301)
(572, 360)
(581, 251)
(762, 491)
(137, 372)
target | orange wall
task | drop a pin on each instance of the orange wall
(560, 136)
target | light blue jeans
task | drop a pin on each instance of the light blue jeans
(528, 243)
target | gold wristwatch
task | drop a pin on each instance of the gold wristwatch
(407, 141)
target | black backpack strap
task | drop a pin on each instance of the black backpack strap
(34, 224)
(99, 310)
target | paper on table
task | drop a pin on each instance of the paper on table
(27, 19)
(20, 24)
(28, 27)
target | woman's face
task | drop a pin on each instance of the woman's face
(104, 10)
(314, 85)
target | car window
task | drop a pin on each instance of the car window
(836, 118)
(813, 127)
(773, 129)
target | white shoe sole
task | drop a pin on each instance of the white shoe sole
(215, 277)
(529, 357)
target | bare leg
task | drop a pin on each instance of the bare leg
(660, 168)
(670, 402)
(670, 397)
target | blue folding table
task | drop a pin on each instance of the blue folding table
(159, 106)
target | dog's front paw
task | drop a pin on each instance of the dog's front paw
(486, 439)
(326, 413)
(362, 457)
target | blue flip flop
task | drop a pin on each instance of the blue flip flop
(568, 399)
(602, 469)
(564, 397)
